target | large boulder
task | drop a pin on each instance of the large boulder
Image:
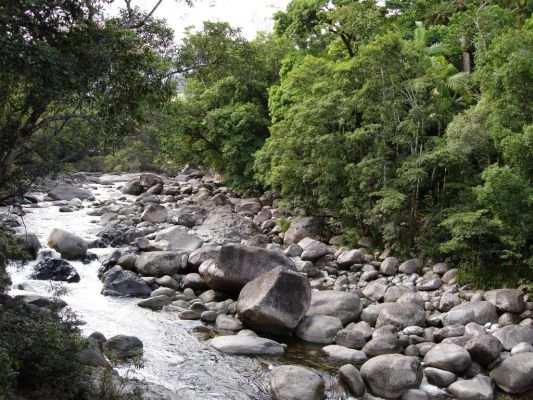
(53, 269)
(507, 300)
(133, 187)
(237, 265)
(389, 266)
(291, 382)
(160, 263)
(179, 238)
(515, 373)
(247, 345)
(118, 282)
(155, 213)
(345, 306)
(30, 243)
(319, 329)
(449, 357)
(303, 227)
(275, 302)
(69, 192)
(124, 347)
(401, 315)
(391, 375)
(223, 226)
(479, 312)
(139, 185)
(353, 379)
(484, 348)
(68, 245)
(478, 388)
(511, 335)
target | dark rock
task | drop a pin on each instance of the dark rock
(124, 347)
(54, 269)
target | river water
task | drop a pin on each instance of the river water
(176, 355)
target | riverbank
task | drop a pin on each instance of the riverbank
(208, 261)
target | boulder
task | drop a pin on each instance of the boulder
(522, 347)
(393, 293)
(382, 344)
(389, 266)
(30, 244)
(118, 282)
(343, 305)
(227, 323)
(351, 257)
(511, 335)
(247, 345)
(401, 315)
(223, 226)
(507, 300)
(389, 376)
(133, 187)
(479, 312)
(484, 349)
(351, 338)
(148, 181)
(429, 284)
(313, 250)
(237, 265)
(449, 357)
(53, 269)
(155, 213)
(179, 238)
(345, 354)
(274, 302)
(155, 302)
(353, 379)
(515, 373)
(92, 355)
(478, 388)
(370, 313)
(69, 192)
(410, 266)
(291, 382)
(248, 206)
(319, 328)
(124, 347)
(375, 290)
(302, 227)
(160, 263)
(439, 377)
(189, 216)
(68, 245)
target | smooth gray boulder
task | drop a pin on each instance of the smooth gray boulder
(69, 192)
(124, 347)
(507, 300)
(303, 227)
(155, 213)
(68, 245)
(118, 282)
(515, 374)
(179, 238)
(484, 348)
(410, 266)
(389, 266)
(343, 305)
(389, 376)
(401, 315)
(382, 344)
(247, 345)
(237, 265)
(223, 226)
(351, 338)
(155, 302)
(274, 302)
(348, 258)
(312, 249)
(160, 263)
(522, 347)
(479, 312)
(291, 382)
(353, 379)
(370, 313)
(375, 290)
(319, 329)
(449, 357)
(439, 377)
(227, 323)
(345, 354)
(511, 335)
(478, 388)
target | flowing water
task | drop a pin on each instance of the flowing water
(176, 355)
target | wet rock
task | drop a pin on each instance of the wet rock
(53, 269)
(345, 306)
(41, 301)
(449, 357)
(515, 374)
(247, 345)
(160, 263)
(319, 329)
(345, 354)
(478, 388)
(124, 347)
(179, 238)
(401, 316)
(291, 382)
(389, 376)
(353, 379)
(237, 265)
(507, 300)
(439, 377)
(511, 335)
(484, 348)
(155, 302)
(68, 192)
(70, 246)
(479, 312)
(118, 282)
(155, 213)
(275, 302)
(302, 227)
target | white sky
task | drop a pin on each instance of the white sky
(250, 15)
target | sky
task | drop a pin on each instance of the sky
(250, 15)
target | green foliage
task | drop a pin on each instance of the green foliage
(284, 224)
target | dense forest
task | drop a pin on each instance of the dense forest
(409, 122)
